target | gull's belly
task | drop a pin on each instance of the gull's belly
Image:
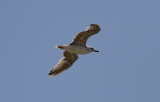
(78, 50)
(82, 52)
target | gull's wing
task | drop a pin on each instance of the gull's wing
(82, 37)
(64, 63)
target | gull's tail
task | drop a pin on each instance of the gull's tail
(60, 46)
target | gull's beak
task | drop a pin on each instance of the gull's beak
(95, 50)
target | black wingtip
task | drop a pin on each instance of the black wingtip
(51, 73)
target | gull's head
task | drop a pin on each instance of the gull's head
(93, 27)
(93, 50)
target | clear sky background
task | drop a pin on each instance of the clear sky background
(127, 68)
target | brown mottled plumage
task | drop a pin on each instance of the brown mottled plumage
(78, 46)
(65, 63)
(82, 37)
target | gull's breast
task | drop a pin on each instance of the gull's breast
(77, 49)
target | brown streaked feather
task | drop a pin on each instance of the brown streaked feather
(64, 63)
(82, 37)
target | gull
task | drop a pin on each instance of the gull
(71, 51)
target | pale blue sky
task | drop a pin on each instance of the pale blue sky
(127, 69)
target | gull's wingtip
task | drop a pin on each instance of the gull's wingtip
(51, 74)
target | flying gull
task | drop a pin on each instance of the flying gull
(78, 46)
